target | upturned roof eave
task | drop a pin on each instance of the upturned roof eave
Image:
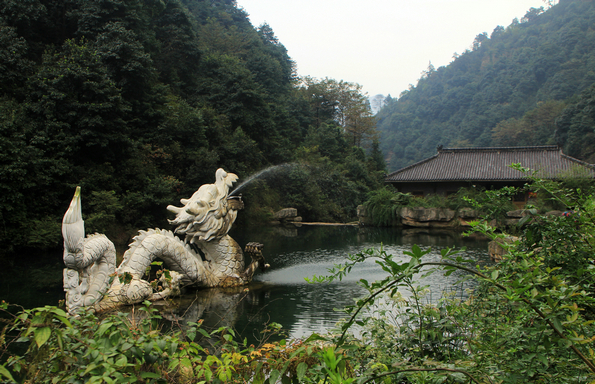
(412, 165)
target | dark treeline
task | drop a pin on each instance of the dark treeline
(530, 83)
(140, 101)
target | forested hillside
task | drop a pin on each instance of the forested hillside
(140, 101)
(527, 84)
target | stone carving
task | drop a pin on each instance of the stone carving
(206, 257)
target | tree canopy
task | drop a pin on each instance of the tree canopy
(139, 102)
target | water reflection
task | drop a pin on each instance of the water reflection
(282, 295)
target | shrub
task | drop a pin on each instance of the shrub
(384, 205)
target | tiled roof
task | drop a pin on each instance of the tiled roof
(490, 164)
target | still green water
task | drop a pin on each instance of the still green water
(280, 294)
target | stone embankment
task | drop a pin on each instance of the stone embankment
(420, 217)
(443, 218)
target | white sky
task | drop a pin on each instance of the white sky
(383, 45)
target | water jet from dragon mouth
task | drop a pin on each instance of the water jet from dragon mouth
(263, 174)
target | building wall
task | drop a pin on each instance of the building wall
(424, 189)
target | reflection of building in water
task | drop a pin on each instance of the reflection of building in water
(429, 237)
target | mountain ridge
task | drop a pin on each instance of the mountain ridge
(541, 63)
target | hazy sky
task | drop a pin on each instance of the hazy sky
(384, 45)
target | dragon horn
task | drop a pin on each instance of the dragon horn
(174, 209)
(73, 226)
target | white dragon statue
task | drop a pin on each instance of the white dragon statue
(206, 257)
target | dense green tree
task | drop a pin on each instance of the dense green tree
(576, 127)
(14, 64)
(536, 126)
(139, 102)
(344, 104)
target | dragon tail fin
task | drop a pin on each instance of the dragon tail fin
(73, 226)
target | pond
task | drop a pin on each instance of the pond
(281, 294)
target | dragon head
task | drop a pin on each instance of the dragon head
(207, 214)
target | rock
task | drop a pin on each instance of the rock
(427, 214)
(554, 213)
(495, 249)
(468, 213)
(426, 224)
(465, 222)
(285, 213)
(362, 216)
(362, 211)
(516, 214)
(287, 217)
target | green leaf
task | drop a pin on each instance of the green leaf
(42, 335)
(4, 372)
(565, 343)
(150, 375)
(185, 362)
(274, 376)
(315, 337)
(103, 328)
(60, 340)
(59, 312)
(557, 325)
(203, 332)
(90, 367)
(301, 370)
(65, 321)
(122, 361)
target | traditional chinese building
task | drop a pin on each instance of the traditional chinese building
(489, 167)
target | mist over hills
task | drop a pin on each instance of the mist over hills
(530, 83)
